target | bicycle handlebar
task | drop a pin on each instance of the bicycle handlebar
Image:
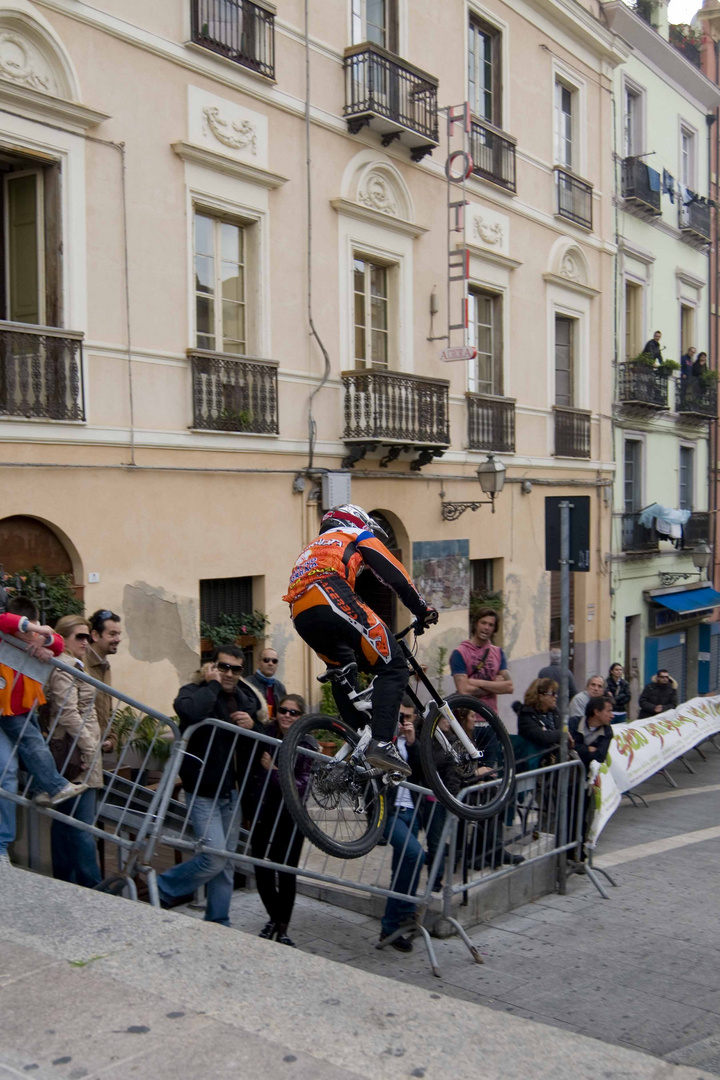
(414, 625)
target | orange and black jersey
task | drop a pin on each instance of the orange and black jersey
(343, 552)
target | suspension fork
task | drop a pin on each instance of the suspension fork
(459, 731)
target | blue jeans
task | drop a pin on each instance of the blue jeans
(407, 861)
(35, 756)
(9, 782)
(216, 823)
(74, 851)
(434, 817)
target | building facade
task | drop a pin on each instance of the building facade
(192, 367)
(663, 417)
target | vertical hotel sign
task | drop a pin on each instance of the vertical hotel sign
(458, 170)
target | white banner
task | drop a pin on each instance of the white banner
(640, 749)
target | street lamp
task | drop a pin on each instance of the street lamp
(491, 475)
(701, 557)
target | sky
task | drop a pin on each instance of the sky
(682, 11)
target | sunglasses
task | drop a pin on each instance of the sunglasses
(282, 711)
(269, 660)
(102, 616)
(236, 669)
(83, 637)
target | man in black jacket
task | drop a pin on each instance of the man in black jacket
(659, 695)
(215, 764)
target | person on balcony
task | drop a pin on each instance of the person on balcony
(686, 362)
(653, 347)
(700, 366)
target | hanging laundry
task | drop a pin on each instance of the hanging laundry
(653, 179)
(668, 185)
(668, 522)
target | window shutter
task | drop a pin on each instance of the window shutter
(24, 268)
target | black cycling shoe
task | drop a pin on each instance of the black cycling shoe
(400, 943)
(268, 931)
(285, 940)
(384, 756)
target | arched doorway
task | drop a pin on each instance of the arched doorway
(26, 542)
(369, 588)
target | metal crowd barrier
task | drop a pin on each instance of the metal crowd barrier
(133, 774)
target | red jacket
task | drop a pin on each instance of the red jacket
(18, 694)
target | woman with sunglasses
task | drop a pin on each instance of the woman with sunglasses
(274, 835)
(72, 713)
(538, 720)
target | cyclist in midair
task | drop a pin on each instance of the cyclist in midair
(332, 619)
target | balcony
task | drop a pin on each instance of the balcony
(234, 394)
(697, 529)
(41, 373)
(239, 30)
(642, 386)
(493, 154)
(572, 432)
(694, 221)
(636, 189)
(696, 397)
(403, 412)
(636, 537)
(491, 423)
(391, 97)
(574, 198)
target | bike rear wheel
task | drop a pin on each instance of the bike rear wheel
(341, 808)
(451, 772)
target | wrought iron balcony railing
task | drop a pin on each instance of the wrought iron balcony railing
(572, 432)
(491, 423)
(41, 373)
(493, 154)
(636, 188)
(574, 198)
(642, 385)
(240, 30)
(231, 393)
(391, 96)
(697, 529)
(694, 220)
(391, 406)
(637, 537)
(695, 395)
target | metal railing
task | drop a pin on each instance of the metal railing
(393, 406)
(636, 537)
(636, 188)
(696, 529)
(493, 154)
(641, 384)
(695, 395)
(572, 432)
(694, 220)
(574, 198)
(41, 373)
(491, 423)
(380, 84)
(234, 394)
(240, 30)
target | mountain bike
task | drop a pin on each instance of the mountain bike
(342, 809)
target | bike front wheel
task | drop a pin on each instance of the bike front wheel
(473, 789)
(337, 804)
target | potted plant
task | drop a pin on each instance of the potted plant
(142, 739)
(243, 629)
(53, 594)
(667, 366)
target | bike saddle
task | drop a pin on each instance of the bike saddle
(341, 674)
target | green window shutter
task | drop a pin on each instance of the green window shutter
(24, 269)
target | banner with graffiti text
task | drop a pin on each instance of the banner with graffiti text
(640, 749)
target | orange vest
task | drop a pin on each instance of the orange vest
(32, 691)
(332, 553)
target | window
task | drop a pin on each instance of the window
(687, 477)
(633, 123)
(482, 575)
(564, 124)
(485, 372)
(632, 476)
(30, 219)
(220, 285)
(687, 157)
(226, 596)
(633, 319)
(375, 21)
(687, 327)
(564, 360)
(484, 72)
(372, 333)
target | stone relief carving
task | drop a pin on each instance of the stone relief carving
(19, 62)
(238, 136)
(492, 235)
(570, 268)
(377, 193)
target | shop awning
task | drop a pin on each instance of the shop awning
(690, 600)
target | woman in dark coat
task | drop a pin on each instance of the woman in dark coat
(618, 688)
(538, 720)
